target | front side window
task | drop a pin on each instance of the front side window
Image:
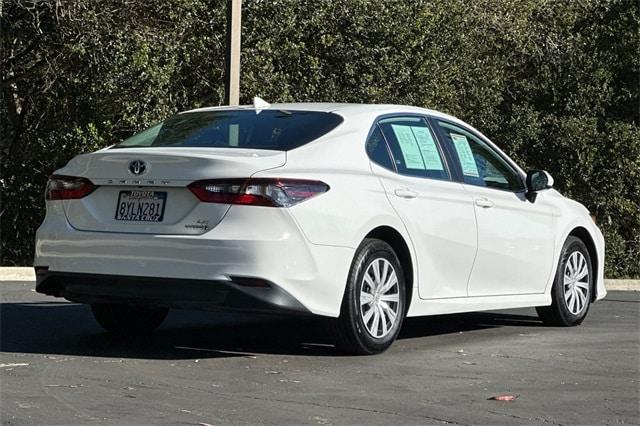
(479, 163)
(414, 147)
(266, 129)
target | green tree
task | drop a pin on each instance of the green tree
(554, 83)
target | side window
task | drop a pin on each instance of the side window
(377, 150)
(414, 148)
(480, 164)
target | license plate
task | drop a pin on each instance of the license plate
(141, 206)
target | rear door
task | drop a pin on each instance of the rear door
(515, 236)
(437, 212)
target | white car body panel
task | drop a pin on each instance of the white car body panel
(463, 258)
(574, 215)
(306, 271)
(446, 258)
(170, 170)
(515, 237)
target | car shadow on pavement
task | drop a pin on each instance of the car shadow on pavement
(69, 329)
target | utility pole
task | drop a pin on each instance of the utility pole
(232, 65)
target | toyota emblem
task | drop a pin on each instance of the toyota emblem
(137, 167)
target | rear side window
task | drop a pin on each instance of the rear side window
(377, 149)
(414, 147)
(266, 129)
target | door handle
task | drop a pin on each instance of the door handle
(405, 193)
(484, 202)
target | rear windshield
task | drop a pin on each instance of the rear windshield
(266, 129)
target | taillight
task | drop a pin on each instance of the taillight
(68, 188)
(272, 192)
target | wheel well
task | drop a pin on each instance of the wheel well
(584, 235)
(399, 245)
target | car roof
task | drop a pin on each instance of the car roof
(344, 109)
(348, 110)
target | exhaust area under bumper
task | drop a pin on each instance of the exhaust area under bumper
(236, 293)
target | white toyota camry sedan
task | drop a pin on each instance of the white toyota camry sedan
(364, 214)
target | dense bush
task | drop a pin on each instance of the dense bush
(554, 83)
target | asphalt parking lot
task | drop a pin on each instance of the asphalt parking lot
(58, 367)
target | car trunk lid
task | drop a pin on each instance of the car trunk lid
(144, 190)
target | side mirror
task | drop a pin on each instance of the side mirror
(537, 180)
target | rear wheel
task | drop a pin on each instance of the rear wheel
(373, 307)
(572, 287)
(125, 319)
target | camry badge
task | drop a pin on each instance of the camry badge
(137, 167)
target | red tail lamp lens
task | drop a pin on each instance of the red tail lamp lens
(271, 192)
(68, 188)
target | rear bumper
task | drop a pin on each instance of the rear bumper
(251, 242)
(237, 293)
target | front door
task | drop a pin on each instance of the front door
(515, 236)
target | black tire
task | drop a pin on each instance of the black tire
(128, 320)
(559, 313)
(349, 330)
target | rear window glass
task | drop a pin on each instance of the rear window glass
(266, 129)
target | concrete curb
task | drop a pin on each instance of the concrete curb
(626, 285)
(17, 273)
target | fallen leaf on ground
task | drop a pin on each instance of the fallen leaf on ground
(504, 397)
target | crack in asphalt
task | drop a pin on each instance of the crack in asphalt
(340, 407)
(314, 404)
(614, 411)
(513, 416)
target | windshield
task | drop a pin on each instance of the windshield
(266, 129)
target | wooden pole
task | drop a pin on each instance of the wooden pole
(234, 27)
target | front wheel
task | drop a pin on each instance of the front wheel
(571, 291)
(125, 319)
(373, 307)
